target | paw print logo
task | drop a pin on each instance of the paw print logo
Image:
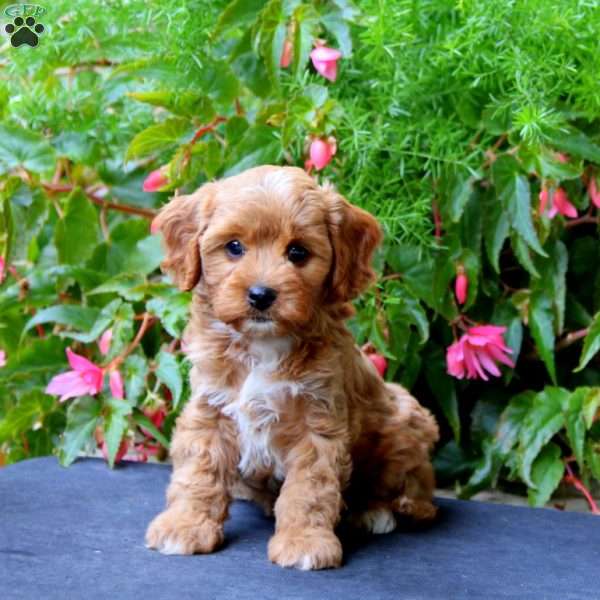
(24, 31)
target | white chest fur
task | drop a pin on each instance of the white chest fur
(258, 406)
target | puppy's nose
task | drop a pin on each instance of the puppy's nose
(261, 297)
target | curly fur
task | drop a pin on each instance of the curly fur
(286, 412)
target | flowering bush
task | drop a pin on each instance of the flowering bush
(471, 130)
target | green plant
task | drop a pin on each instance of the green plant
(455, 123)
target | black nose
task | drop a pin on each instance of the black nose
(261, 297)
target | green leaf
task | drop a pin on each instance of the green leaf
(591, 344)
(30, 409)
(77, 233)
(542, 329)
(26, 210)
(544, 420)
(167, 371)
(238, 13)
(577, 144)
(485, 471)
(514, 194)
(73, 315)
(306, 21)
(39, 358)
(22, 148)
(591, 402)
(82, 418)
(592, 458)
(251, 68)
(183, 103)
(122, 330)
(458, 195)
(259, 145)
(443, 389)
(338, 26)
(159, 137)
(172, 310)
(409, 310)
(116, 423)
(523, 254)
(451, 462)
(131, 286)
(416, 267)
(548, 166)
(134, 371)
(102, 322)
(130, 250)
(143, 421)
(575, 422)
(546, 474)
(497, 449)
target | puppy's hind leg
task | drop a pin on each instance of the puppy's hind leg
(416, 500)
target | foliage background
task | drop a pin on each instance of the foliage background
(455, 109)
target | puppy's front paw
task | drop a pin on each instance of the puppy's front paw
(306, 549)
(178, 532)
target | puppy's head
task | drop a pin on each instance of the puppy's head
(270, 248)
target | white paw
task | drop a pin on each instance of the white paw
(377, 520)
(169, 546)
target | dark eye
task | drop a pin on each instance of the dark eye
(234, 248)
(297, 253)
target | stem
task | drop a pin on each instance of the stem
(147, 321)
(437, 219)
(585, 220)
(392, 277)
(203, 130)
(126, 208)
(579, 485)
(83, 66)
(571, 338)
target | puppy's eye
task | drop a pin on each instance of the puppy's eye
(234, 248)
(297, 253)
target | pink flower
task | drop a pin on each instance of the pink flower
(379, 362)
(85, 378)
(286, 54)
(154, 228)
(561, 157)
(325, 60)
(593, 191)
(321, 152)
(2, 267)
(144, 451)
(477, 352)
(2, 358)
(104, 342)
(156, 180)
(560, 204)
(116, 384)
(461, 286)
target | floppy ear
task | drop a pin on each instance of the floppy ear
(354, 234)
(182, 221)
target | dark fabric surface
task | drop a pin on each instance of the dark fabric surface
(78, 533)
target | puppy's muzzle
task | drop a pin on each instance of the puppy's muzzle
(261, 297)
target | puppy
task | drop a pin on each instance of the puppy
(285, 409)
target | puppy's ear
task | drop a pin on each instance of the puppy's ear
(182, 221)
(354, 234)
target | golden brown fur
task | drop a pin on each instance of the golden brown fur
(285, 409)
